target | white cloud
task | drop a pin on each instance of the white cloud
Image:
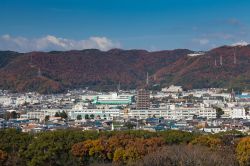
(202, 41)
(49, 42)
(240, 43)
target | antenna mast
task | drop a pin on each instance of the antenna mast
(235, 56)
(119, 86)
(39, 73)
(147, 79)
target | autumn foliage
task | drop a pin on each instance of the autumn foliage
(243, 151)
(3, 156)
(209, 141)
(132, 147)
(119, 148)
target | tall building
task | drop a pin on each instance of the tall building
(143, 99)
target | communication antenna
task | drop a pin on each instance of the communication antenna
(119, 86)
(31, 61)
(215, 62)
(235, 56)
(39, 73)
(154, 77)
(221, 63)
(147, 79)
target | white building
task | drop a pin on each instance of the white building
(238, 112)
(208, 113)
(108, 114)
(33, 115)
(234, 112)
(113, 99)
(172, 112)
(172, 89)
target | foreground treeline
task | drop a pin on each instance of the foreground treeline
(137, 148)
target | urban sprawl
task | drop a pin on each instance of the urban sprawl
(200, 110)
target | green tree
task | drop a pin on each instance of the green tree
(53, 148)
(14, 143)
(13, 115)
(130, 125)
(86, 116)
(57, 114)
(92, 116)
(64, 115)
(219, 112)
(46, 119)
(79, 117)
(177, 137)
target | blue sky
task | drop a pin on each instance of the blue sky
(27, 25)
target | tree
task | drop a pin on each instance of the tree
(209, 141)
(129, 125)
(120, 148)
(176, 137)
(86, 116)
(118, 155)
(243, 151)
(3, 156)
(64, 115)
(92, 116)
(186, 155)
(13, 115)
(57, 114)
(53, 148)
(104, 116)
(46, 119)
(219, 112)
(79, 117)
(13, 143)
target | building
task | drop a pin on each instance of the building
(113, 99)
(173, 112)
(208, 113)
(172, 89)
(238, 112)
(143, 99)
(33, 115)
(108, 114)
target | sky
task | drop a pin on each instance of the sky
(45, 25)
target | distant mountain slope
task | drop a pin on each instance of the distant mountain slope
(6, 57)
(206, 70)
(57, 71)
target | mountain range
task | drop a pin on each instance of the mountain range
(57, 71)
